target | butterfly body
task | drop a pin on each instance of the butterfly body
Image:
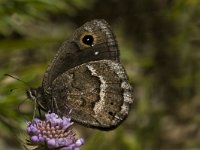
(87, 79)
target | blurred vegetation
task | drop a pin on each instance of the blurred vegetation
(159, 42)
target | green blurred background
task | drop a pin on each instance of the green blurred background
(159, 42)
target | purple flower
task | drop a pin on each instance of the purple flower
(53, 132)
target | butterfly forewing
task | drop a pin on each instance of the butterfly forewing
(74, 51)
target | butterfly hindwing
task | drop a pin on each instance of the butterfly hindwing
(97, 92)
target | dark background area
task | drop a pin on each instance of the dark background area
(159, 42)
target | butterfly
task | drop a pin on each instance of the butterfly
(87, 78)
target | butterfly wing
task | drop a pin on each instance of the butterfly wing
(92, 41)
(97, 93)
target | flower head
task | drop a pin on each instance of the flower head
(54, 132)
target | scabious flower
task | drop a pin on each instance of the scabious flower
(53, 133)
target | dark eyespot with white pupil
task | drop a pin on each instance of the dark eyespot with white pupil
(88, 40)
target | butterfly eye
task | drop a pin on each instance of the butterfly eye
(33, 93)
(88, 40)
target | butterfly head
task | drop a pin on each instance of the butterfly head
(36, 95)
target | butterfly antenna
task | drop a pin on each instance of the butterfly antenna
(11, 90)
(17, 80)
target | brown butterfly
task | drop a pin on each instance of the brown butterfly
(87, 78)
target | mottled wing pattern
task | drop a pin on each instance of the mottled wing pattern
(98, 93)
